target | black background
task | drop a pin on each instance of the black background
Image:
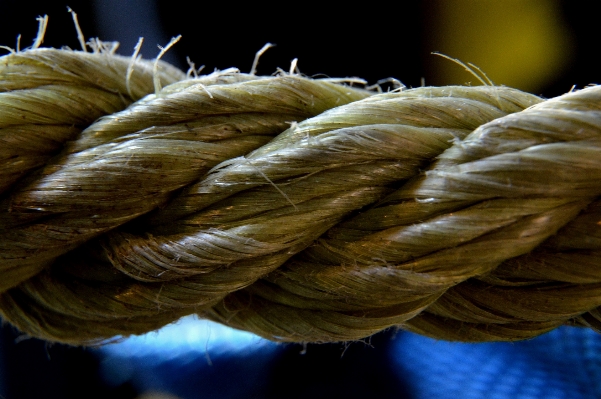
(370, 40)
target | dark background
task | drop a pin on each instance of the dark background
(544, 47)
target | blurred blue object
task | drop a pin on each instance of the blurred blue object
(196, 356)
(565, 363)
(189, 336)
(190, 358)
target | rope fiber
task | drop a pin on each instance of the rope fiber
(302, 210)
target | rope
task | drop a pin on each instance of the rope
(298, 209)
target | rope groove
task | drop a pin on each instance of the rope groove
(297, 209)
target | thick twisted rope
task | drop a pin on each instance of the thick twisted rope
(298, 209)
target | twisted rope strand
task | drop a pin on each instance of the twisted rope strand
(499, 201)
(297, 209)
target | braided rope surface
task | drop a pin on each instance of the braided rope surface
(298, 209)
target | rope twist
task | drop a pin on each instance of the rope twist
(298, 209)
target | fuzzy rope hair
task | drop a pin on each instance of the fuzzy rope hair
(297, 209)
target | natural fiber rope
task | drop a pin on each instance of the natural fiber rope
(298, 209)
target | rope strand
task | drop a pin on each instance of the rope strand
(297, 209)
